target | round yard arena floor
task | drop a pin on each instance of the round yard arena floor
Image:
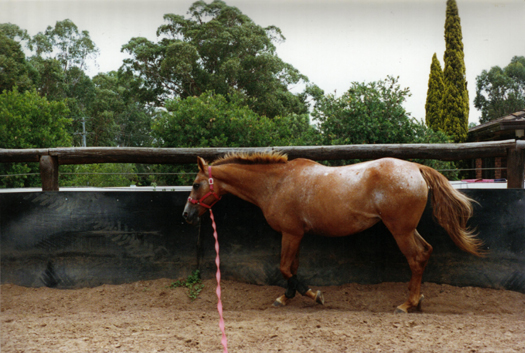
(149, 316)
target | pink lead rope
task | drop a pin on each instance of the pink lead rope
(224, 340)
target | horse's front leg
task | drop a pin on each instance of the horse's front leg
(289, 266)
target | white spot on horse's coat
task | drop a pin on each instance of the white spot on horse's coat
(325, 174)
(378, 197)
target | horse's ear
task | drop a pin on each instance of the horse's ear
(202, 164)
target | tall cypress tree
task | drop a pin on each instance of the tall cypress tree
(455, 104)
(434, 95)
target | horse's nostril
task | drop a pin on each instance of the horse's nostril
(185, 215)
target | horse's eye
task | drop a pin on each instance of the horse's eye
(196, 186)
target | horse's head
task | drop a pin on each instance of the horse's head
(204, 194)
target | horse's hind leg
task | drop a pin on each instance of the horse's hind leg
(417, 251)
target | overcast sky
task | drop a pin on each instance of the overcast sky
(332, 42)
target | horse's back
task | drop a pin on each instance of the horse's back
(395, 174)
(384, 173)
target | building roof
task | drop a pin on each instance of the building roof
(499, 128)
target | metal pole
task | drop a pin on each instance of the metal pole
(83, 132)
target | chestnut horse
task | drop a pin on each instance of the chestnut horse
(301, 196)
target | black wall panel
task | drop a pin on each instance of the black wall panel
(79, 239)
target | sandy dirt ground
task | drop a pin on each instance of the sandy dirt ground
(149, 316)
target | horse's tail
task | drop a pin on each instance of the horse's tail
(452, 210)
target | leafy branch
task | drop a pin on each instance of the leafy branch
(193, 283)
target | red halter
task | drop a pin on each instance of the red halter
(210, 193)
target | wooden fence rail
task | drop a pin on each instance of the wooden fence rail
(51, 158)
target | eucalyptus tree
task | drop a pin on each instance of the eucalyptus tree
(65, 43)
(117, 118)
(220, 49)
(15, 33)
(15, 71)
(501, 91)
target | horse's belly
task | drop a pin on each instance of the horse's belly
(340, 227)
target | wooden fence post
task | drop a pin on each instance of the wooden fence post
(49, 173)
(516, 166)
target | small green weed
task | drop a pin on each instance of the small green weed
(193, 283)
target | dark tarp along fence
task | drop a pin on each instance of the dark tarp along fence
(85, 239)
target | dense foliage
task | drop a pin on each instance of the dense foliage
(501, 91)
(367, 113)
(15, 71)
(116, 117)
(212, 120)
(28, 120)
(373, 113)
(100, 175)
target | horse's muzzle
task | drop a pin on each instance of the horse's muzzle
(191, 214)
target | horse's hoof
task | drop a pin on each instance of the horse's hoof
(281, 301)
(400, 311)
(420, 301)
(277, 303)
(319, 297)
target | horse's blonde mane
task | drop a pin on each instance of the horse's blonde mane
(252, 158)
